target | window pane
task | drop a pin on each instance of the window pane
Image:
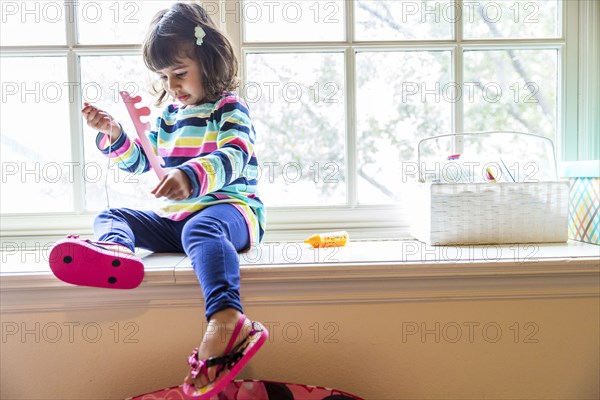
(292, 21)
(116, 22)
(33, 23)
(401, 98)
(37, 173)
(505, 155)
(102, 78)
(297, 106)
(404, 19)
(488, 19)
(511, 90)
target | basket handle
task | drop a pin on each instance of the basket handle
(421, 177)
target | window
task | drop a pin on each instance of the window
(55, 56)
(339, 91)
(342, 91)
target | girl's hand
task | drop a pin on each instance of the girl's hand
(101, 121)
(174, 186)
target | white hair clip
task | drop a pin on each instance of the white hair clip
(199, 33)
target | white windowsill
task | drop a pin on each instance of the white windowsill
(363, 271)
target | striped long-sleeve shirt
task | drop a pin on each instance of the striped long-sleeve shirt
(213, 143)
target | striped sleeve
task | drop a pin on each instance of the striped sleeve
(234, 149)
(127, 154)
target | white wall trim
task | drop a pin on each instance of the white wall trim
(340, 283)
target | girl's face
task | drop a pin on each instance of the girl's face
(184, 82)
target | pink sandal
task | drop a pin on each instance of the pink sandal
(87, 263)
(232, 362)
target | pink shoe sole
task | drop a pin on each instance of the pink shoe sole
(79, 262)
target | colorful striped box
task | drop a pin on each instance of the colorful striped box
(584, 202)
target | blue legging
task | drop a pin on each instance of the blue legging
(211, 238)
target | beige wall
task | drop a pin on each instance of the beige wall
(366, 349)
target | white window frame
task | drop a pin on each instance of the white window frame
(392, 221)
(293, 223)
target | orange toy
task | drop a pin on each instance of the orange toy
(329, 239)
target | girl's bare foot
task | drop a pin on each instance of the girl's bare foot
(218, 333)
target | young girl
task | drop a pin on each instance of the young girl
(212, 210)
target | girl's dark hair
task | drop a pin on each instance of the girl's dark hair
(171, 38)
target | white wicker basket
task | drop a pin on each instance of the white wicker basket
(486, 213)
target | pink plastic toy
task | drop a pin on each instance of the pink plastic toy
(257, 390)
(136, 114)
